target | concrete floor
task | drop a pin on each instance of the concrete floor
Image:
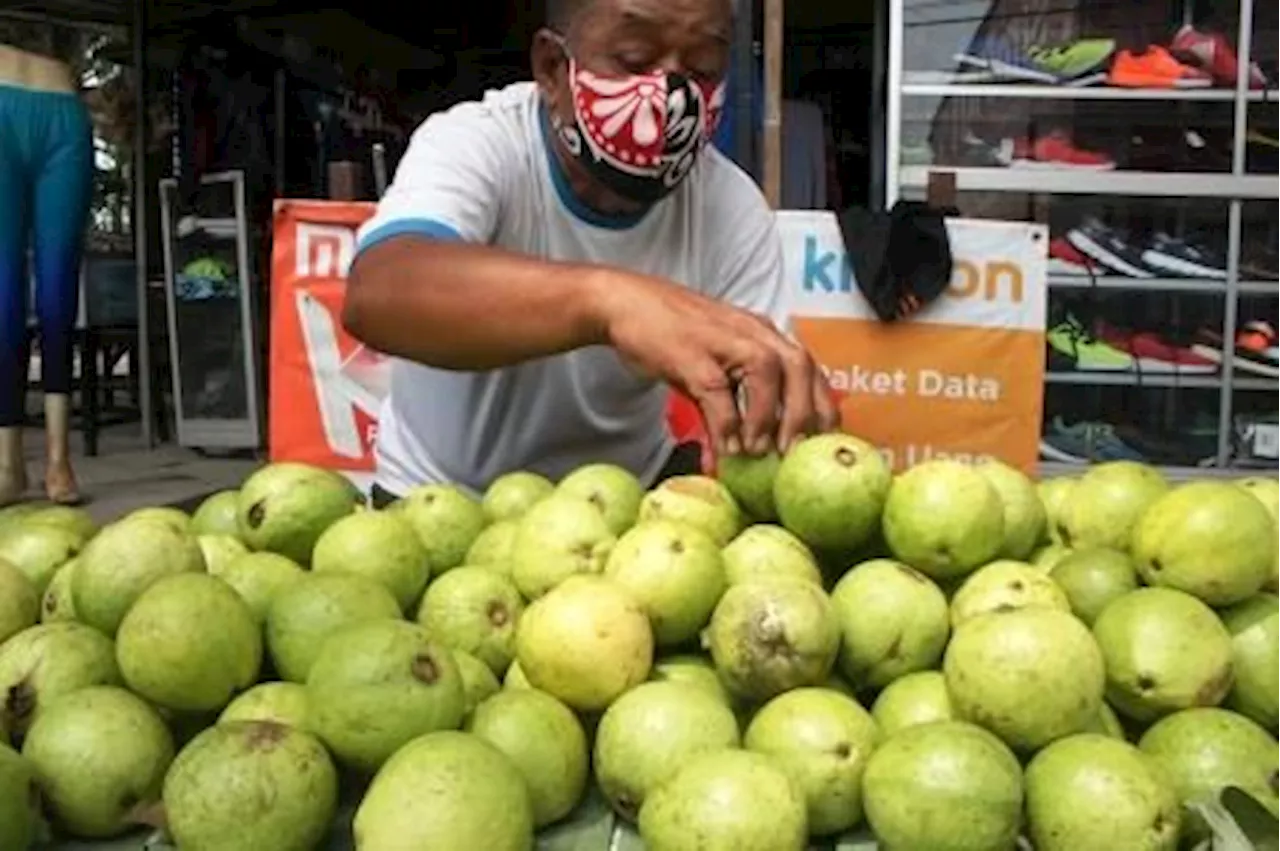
(126, 475)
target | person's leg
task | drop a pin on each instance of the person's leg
(63, 192)
(14, 231)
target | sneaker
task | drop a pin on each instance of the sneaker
(979, 153)
(1154, 354)
(1212, 53)
(1084, 442)
(1259, 261)
(1255, 350)
(1056, 150)
(1076, 60)
(1181, 259)
(1155, 69)
(1005, 61)
(1076, 348)
(1066, 259)
(1109, 246)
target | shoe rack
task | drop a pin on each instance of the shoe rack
(935, 79)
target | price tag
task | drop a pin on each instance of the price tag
(1266, 440)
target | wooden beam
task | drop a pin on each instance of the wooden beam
(772, 147)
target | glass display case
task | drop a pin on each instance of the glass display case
(1144, 134)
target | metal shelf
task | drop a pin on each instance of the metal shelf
(1068, 181)
(1149, 379)
(1016, 90)
(1171, 285)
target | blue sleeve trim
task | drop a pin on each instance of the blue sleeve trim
(429, 228)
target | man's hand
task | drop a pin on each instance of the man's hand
(757, 390)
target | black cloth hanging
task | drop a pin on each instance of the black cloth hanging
(901, 258)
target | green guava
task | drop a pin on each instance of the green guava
(38, 551)
(251, 786)
(944, 519)
(762, 551)
(893, 621)
(650, 733)
(303, 615)
(1267, 491)
(447, 521)
(1053, 495)
(41, 664)
(1024, 513)
(544, 740)
(561, 536)
(122, 562)
(585, 642)
(691, 669)
(1164, 651)
(830, 490)
(697, 501)
(217, 515)
(823, 740)
(1106, 504)
(285, 507)
(1028, 675)
(1066, 810)
(1004, 585)
(946, 785)
(771, 635)
(515, 678)
(1205, 750)
(259, 578)
(1106, 723)
(189, 644)
(478, 680)
(919, 698)
(280, 703)
(1255, 636)
(175, 518)
(476, 610)
(1047, 557)
(1211, 539)
(750, 479)
(493, 547)
(509, 496)
(75, 520)
(726, 800)
(219, 551)
(1094, 577)
(379, 684)
(377, 545)
(615, 492)
(674, 571)
(19, 810)
(19, 601)
(97, 754)
(465, 794)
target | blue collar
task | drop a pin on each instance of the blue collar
(571, 202)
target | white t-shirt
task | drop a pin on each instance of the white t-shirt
(483, 172)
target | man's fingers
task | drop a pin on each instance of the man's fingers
(762, 383)
(798, 417)
(714, 394)
(825, 404)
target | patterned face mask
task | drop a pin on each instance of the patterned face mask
(639, 135)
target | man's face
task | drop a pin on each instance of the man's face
(619, 38)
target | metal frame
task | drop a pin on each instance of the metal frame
(1234, 187)
(214, 433)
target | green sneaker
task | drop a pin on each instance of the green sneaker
(1071, 340)
(1074, 59)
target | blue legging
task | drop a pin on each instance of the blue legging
(46, 180)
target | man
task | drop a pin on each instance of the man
(547, 257)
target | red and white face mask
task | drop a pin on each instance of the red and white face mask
(640, 135)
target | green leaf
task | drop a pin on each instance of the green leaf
(588, 828)
(1237, 821)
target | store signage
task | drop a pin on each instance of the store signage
(964, 378)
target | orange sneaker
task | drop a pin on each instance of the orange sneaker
(1154, 69)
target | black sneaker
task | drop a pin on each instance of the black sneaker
(1109, 246)
(1179, 258)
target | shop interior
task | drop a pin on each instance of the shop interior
(1162, 263)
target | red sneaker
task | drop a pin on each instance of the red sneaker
(1056, 150)
(1214, 54)
(1153, 354)
(1066, 259)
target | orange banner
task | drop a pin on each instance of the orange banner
(964, 379)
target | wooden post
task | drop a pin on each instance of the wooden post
(772, 148)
